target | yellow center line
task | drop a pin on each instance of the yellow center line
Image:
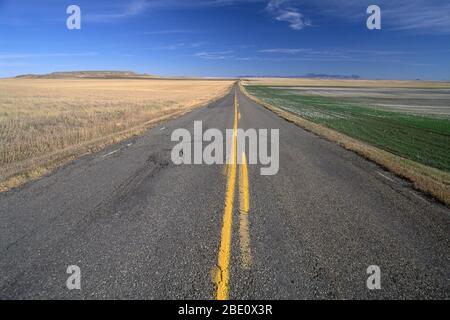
(222, 276)
(244, 207)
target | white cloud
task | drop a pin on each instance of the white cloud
(284, 50)
(138, 7)
(418, 16)
(220, 55)
(170, 31)
(14, 64)
(44, 55)
(180, 45)
(131, 9)
(337, 54)
(425, 16)
(281, 10)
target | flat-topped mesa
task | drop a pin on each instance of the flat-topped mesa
(87, 74)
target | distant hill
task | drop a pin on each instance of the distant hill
(331, 76)
(313, 76)
(86, 75)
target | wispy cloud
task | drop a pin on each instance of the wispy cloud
(418, 16)
(138, 7)
(284, 50)
(245, 58)
(129, 10)
(332, 51)
(282, 10)
(14, 64)
(44, 55)
(308, 52)
(179, 45)
(336, 54)
(218, 55)
(170, 31)
(409, 15)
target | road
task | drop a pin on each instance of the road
(141, 227)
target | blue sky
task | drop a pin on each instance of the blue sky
(228, 38)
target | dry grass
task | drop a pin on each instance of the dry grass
(346, 83)
(426, 179)
(46, 122)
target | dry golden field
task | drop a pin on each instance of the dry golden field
(46, 122)
(346, 83)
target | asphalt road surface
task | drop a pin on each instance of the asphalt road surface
(140, 227)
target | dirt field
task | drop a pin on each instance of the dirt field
(417, 101)
(378, 117)
(45, 121)
(414, 146)
(346, 83)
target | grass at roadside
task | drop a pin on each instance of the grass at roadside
(426, 178)
(45, 122)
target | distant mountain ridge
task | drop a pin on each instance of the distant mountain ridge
(86, 75)
(332, 76)
(314, 76)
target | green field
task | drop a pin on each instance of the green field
(422, 138)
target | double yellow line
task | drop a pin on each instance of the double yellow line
(244, 207)
(222, 275)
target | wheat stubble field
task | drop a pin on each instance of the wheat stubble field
(45, 122)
